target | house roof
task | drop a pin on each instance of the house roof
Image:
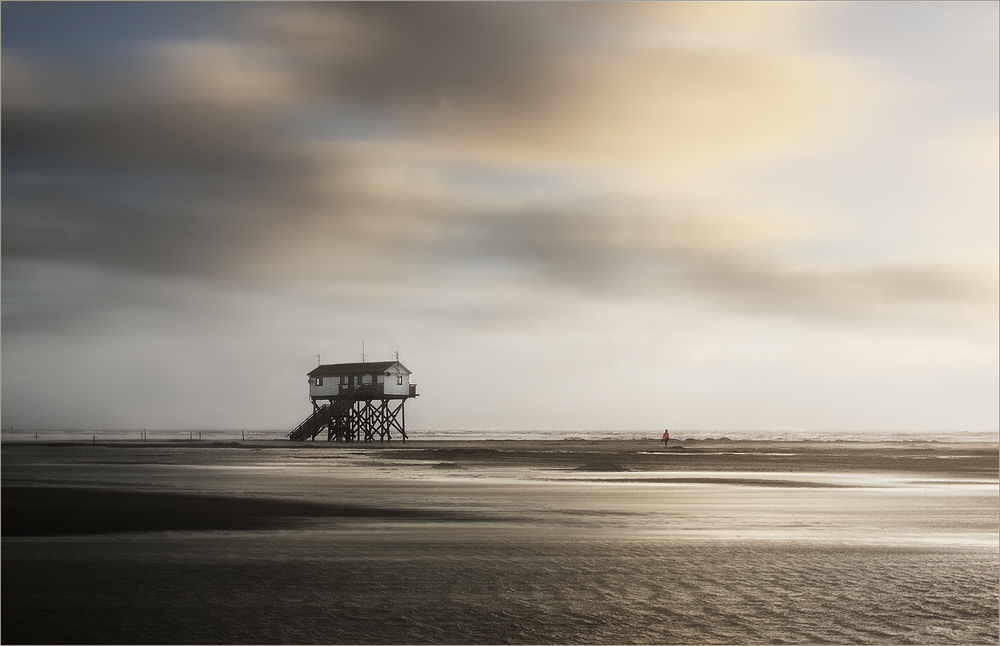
(369, 368)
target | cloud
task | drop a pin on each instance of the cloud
(177, 165)
(656, 256)
(557, 84)
(326, 135)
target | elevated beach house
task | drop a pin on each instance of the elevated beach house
(357, 401)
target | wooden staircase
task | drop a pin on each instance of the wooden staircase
(364, 414)
(312, 425)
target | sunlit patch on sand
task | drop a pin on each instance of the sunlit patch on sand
(762, 453)
(740, 478)
(803, 533)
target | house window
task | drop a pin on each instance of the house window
(319, 381)
(399, 380)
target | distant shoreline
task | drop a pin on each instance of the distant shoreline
(13, 435)
(606, 443)
(957, 458)
(174, 438)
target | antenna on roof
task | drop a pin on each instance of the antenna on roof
(318, 362)
(362, 352)
(397, 355)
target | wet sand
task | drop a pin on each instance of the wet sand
(717, 455)
(500, 542)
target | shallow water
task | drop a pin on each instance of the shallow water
(541, 555)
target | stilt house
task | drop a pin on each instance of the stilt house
(363, 401)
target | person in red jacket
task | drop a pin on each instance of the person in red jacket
(666, 437)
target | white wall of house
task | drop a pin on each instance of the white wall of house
(332, 386)
(392, 379)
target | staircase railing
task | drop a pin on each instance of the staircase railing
(310, 426)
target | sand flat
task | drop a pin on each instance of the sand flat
(514, 542)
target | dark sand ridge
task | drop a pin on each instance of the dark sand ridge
(55, 511)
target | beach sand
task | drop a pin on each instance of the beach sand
(707, 541)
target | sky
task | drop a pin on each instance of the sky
(590, 216)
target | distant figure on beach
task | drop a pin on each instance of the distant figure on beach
(666, 437)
